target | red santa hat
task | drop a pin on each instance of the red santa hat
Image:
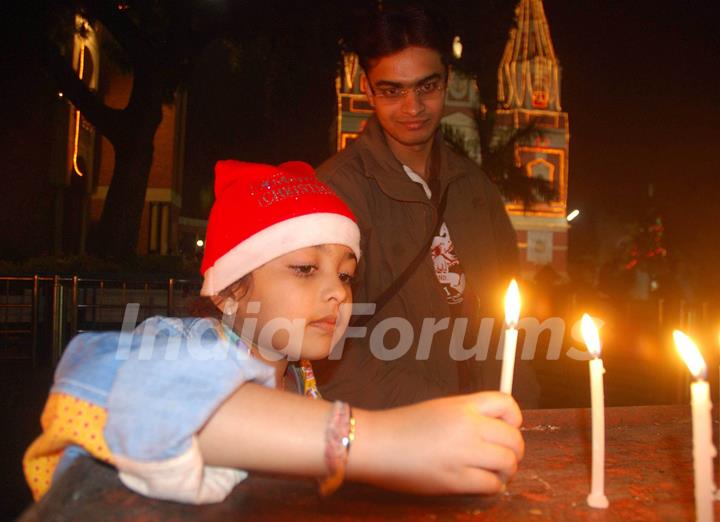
(262, 212)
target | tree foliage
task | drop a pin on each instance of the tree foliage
(272, 48)
(156, 41)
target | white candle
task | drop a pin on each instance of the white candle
(596, 498)
(512, 316)
(703, 449)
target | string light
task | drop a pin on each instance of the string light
(81, 71)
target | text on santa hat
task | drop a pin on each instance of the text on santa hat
(283, 185)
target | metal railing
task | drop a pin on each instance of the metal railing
(39, 314)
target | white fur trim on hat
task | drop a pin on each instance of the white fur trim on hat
(277, 240)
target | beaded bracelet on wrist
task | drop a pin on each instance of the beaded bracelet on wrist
(339, 436)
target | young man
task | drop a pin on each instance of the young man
(393, 178)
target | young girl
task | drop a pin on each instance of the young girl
(181, 406)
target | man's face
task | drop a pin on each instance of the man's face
(407, 90)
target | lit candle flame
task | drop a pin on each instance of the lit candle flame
(512, 305)
(689, 352)
(590, 335)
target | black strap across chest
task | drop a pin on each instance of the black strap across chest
(382, 299)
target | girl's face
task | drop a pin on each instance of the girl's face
(301, 301)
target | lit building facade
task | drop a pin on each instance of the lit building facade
(89, 161)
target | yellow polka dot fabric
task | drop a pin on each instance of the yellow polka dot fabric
(66, 420)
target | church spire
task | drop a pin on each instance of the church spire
(529, 73)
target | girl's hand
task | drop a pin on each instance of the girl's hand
(462, 444)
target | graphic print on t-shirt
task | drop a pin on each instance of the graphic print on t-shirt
(448, 269)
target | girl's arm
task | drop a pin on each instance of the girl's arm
(462, 444)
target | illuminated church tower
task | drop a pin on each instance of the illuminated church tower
(529, 93)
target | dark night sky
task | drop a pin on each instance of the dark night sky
(641, 84)
(640, 81)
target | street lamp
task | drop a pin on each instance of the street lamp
(457, 48)
(572, 215)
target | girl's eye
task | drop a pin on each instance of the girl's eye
(346, 278)
(303, 270)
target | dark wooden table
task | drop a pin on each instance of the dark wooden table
(648, 477)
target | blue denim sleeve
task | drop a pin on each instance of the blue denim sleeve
(176, 373)
(88, 366)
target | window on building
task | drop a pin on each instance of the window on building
(159, 236)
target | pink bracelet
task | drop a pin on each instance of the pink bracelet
(339, 435)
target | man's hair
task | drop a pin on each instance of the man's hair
(393, 29)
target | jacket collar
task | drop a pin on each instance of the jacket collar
(388, 171)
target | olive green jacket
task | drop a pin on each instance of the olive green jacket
(396, 219)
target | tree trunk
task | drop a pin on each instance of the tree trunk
(119, 227)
